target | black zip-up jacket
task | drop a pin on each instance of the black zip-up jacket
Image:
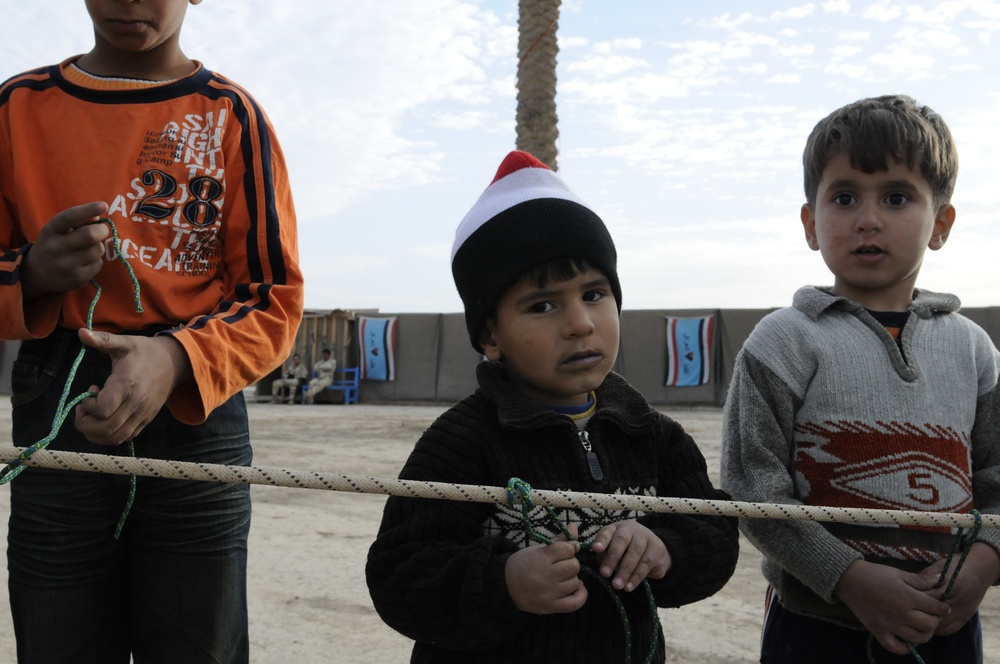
(436, 570)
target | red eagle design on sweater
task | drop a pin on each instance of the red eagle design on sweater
(889, 465)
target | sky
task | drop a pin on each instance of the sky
(681, 124)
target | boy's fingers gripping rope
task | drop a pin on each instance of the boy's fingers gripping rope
(519, 491)
(16, 465)
(962, 545)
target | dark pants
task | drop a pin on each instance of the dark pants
(790, 638)
(173, 587)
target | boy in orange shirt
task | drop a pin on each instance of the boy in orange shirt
(185, 165)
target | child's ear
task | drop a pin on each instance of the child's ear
(808, 217)
(491, 349)
(943, 221)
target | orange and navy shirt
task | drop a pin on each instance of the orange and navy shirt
(198, 190)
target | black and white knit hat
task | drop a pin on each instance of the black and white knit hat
(526, 217)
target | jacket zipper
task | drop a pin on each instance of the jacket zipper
(592, 461)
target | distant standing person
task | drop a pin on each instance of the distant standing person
(284, 390)
(322, 376)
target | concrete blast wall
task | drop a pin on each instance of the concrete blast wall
(435, 361)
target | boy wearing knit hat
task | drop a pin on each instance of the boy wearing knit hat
(536, 270)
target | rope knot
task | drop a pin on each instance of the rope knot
(519, 491)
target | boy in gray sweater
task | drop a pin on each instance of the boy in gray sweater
(869, 393)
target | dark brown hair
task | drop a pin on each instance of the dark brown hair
(558, 270)
(874, 130)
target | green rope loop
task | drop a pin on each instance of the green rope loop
(64, 408)
(961, 545)
(520, 491)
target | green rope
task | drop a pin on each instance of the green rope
(965, 544)
(64, 408)
(520, 491)
(131, 496)
(961, 545)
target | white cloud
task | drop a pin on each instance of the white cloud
(883, 11)
(572, 41)
(846, 51)
(789, 79)
(644, 88)
(794, 50)
(988, 9)
(751, 39)
(801, 11)
(726, 20)
(848, 70)
(608, 65)
(853, 35)
(732, 51)
(902, 61)
(944, 12)
(608, 47)
(933, 39)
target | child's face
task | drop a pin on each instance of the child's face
(872, 230)
(137, 26)
(558, 342)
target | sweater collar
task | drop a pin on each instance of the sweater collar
(814, 301)
(80, 78)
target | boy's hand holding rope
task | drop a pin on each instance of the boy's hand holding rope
(961, 547)
(66, 405)
(519, 491)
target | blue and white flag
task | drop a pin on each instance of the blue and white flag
(689, 350)
(377, 340)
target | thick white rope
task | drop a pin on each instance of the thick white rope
(305, 479)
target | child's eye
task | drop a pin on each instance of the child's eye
(897, 198)
(592, 296)
(540, 307)
(844, 198)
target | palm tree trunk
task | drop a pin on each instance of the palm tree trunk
(537, 48)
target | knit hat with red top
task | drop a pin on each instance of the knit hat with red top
(526, 218)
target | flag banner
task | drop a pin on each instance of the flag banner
(689, 350)
(377, 337)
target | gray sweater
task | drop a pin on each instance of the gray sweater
(825, 408)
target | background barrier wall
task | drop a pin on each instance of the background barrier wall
(435, 361)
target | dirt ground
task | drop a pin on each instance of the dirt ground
(308, 600)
